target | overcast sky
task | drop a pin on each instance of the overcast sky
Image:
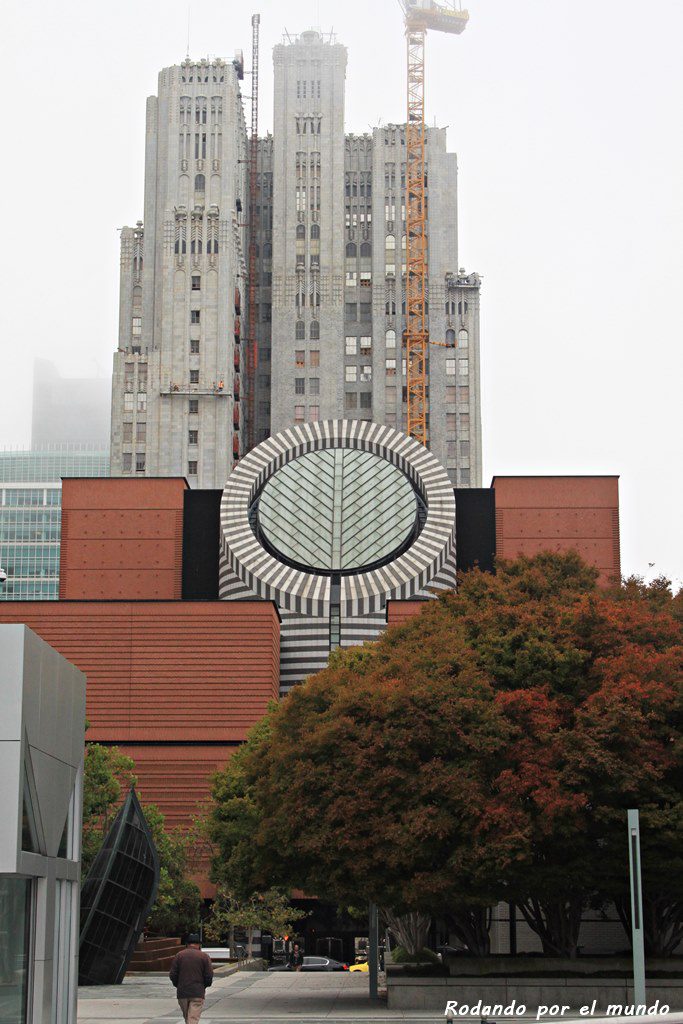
(567, 122)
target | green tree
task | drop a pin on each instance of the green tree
(268, 911)
(485, 750)
(107, 775)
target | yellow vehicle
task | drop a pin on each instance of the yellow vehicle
(360, 967)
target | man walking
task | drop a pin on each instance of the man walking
(191, 973)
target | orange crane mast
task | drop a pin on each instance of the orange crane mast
(420, 15)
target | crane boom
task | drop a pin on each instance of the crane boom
(420, 15)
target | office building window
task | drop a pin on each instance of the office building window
(196, 283)
(463, 367)
(463, 339)
(450, 422)
(127, 462)
(193, 405)
(300, 357)
(350, 311)
(366, 374)
(451, 395)
(351, 373)
(314, 332)
(465, 477)
(450, 367)
(366, 400)
(193, 437)
(127, 433)
(391, 339)
(140, 462)
(351, 346)
(192, 467)
(128, 402)
(314, 413)
(450, 338)
(350, 400)
(366, 345)
(366, 311)
(464, 394)
(390, 396)
(300, 330)
(194, 376)
(299, 385)
(194, 316)
(194, 346)
(299, 413)
(314, 357)
(391, 367)
(464, 449)
(141, 432)
(142, 401)
(314, 385)
(464, 422)
(137, 325)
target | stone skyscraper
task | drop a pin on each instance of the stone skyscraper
(176, 408)
(330, 288)
(338, 272)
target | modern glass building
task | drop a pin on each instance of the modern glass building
(30, 514)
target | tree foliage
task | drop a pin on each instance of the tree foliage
(268, 911)
(485, 750)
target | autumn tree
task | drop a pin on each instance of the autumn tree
(485, 750)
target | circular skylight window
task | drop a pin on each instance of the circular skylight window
(337, 510)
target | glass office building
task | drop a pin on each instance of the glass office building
(30, 515)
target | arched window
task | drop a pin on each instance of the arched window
(315, 330)
(199, 183)
(300, 330)
(391, 339)
(300, 231)
(365, 250)
(463, 339)
(391, 241)
(315, 231)
(351, 250)
(267, 250)
(450, 338)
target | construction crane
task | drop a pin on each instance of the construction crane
(252, 343)
(420, 15)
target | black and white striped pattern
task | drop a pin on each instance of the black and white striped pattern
(308, 594)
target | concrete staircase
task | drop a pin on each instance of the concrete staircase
(154, 955)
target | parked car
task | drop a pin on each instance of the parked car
(322, 963)
(364, 967)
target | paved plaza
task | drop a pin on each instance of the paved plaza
(251, 997)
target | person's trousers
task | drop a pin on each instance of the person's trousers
(192, 1009)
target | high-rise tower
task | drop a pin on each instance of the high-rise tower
(177, 387)
(339, 265)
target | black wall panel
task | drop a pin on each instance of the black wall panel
(475, 528)
(201, 538)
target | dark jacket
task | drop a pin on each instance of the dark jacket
(191, 973)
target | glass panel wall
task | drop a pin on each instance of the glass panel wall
(15, 937)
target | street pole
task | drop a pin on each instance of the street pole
(373, 957)
(636, 909)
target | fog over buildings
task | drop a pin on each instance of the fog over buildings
(569, 204)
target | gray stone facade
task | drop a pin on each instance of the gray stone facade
(177, 384)
(330, 289)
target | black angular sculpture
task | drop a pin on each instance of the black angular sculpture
(117, 897)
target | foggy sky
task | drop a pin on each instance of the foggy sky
(567, 122)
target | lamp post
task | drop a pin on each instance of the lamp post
(373, 957)
(638, 940)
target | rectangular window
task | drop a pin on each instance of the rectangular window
(193, 406)
(299, 413)
(391, 367)
(366, 374)
(300, 358)
(366, 346)
(128, 402)
(137, 325)
(194, 316)
(451, 394)
(314, 357)
(463, 367)
(127, 433)
(350, 400)
(194, 376)
(464, 449)
(196, 283)
(366, 400)
(366, 310)
(450, 450)
(465, 477)
(350, 311)
(141, 432)
(192, 467)
(140, 462)
(450, 422)
(127, 462)
(193, 436)
(351, 373)
(464, 422)
(142, 401)
(351, 346)
(464, 394)
(194, 346)
(299, 385)
(314, 385)
(314, 413)
(450, 367)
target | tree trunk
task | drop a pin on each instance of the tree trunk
(556, 923)
(231, 940)
(250, 941)
(411, 930)
(662, 923)
(471, 926)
